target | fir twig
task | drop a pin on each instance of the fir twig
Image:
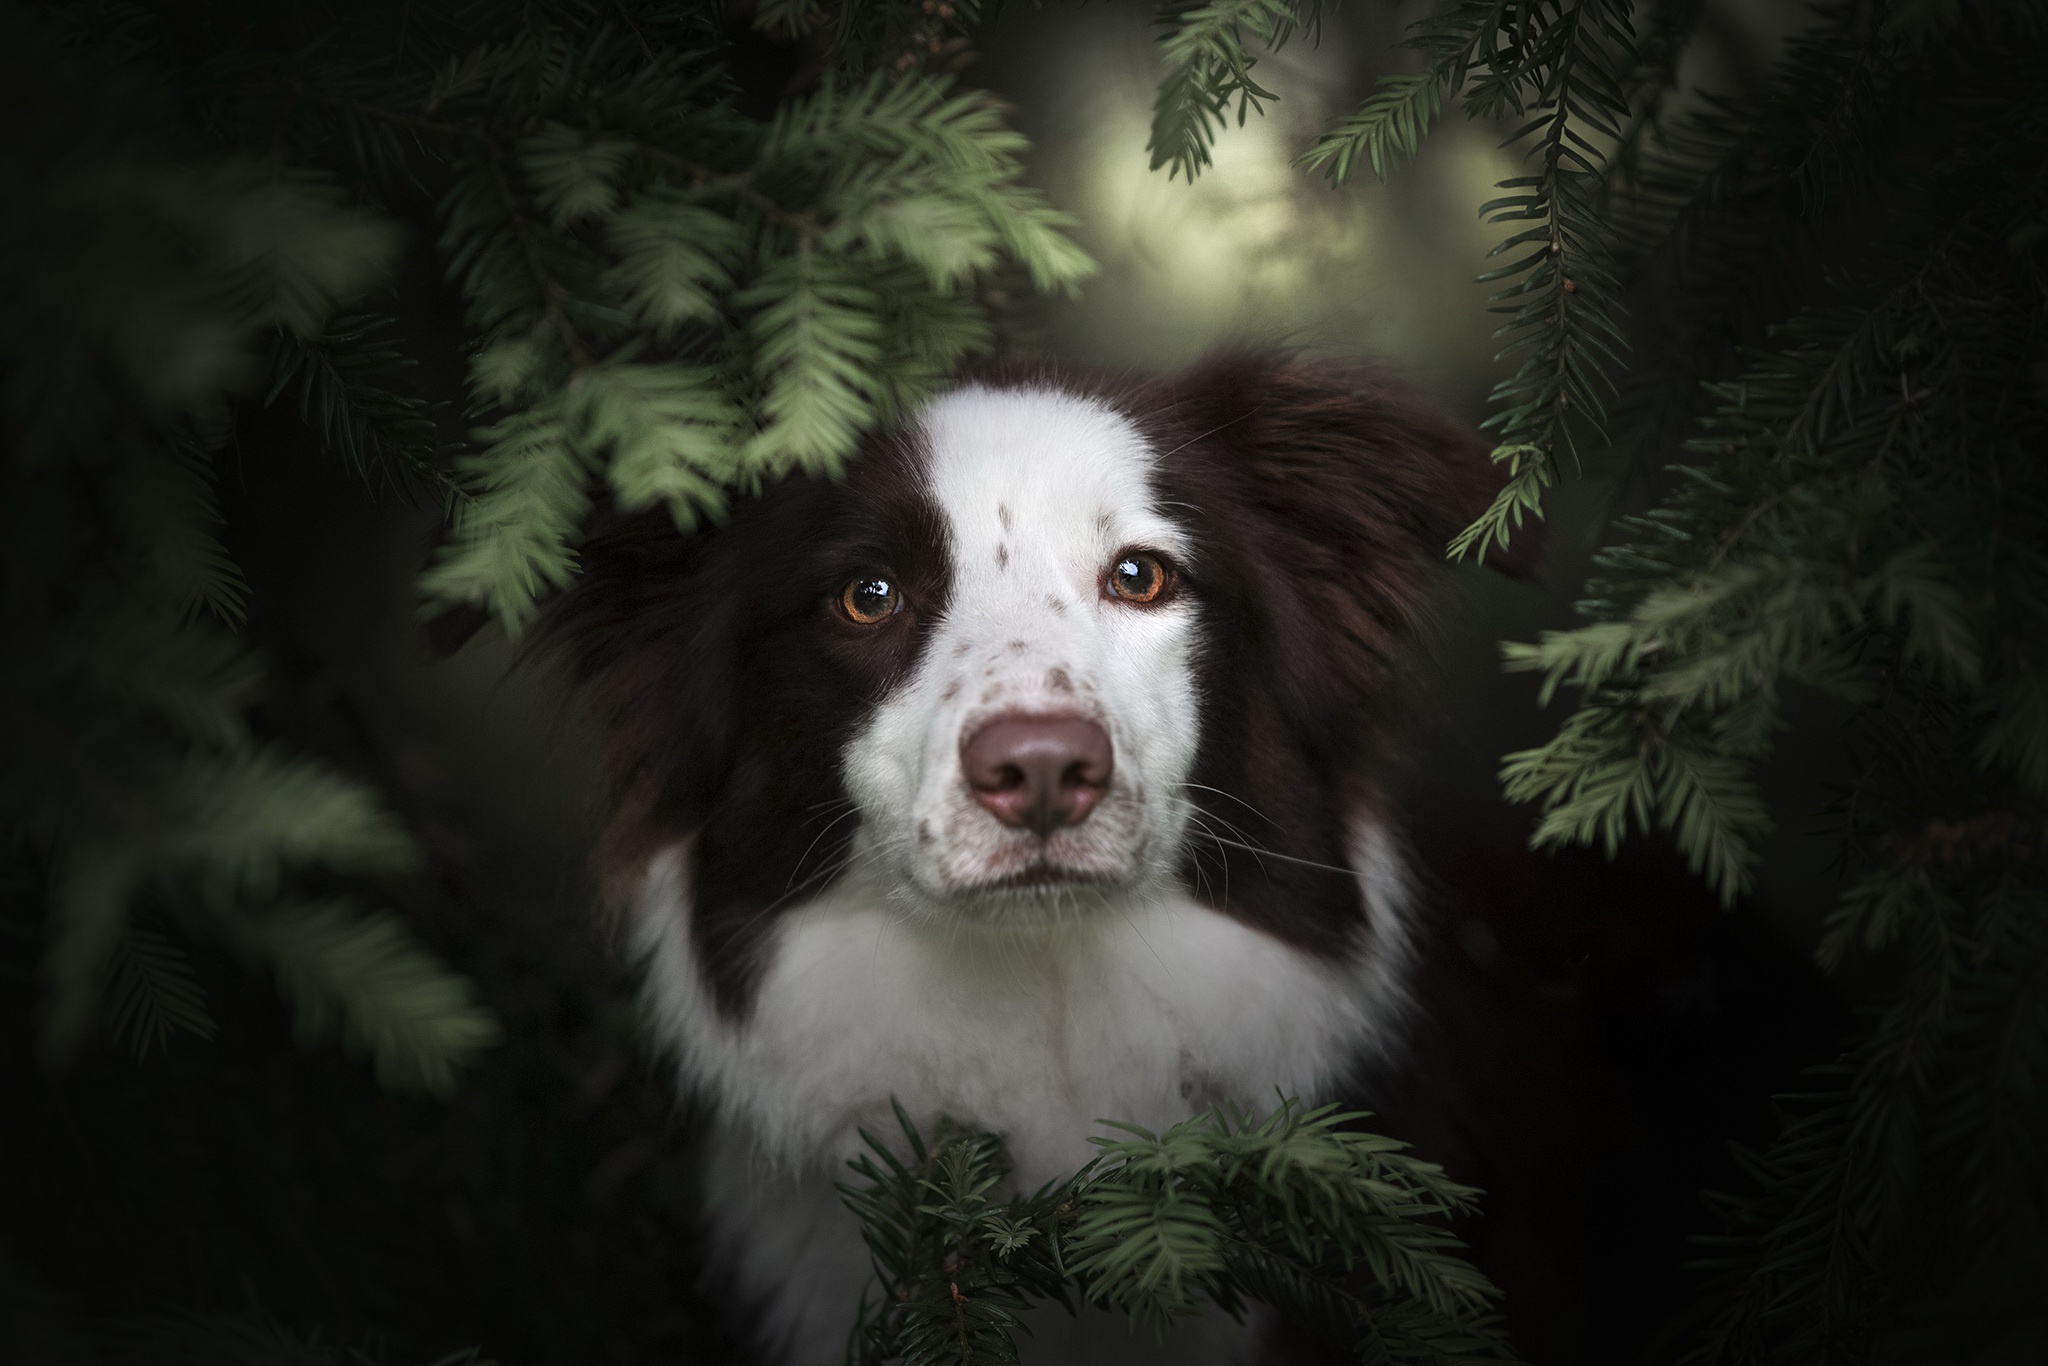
(1297, 1207)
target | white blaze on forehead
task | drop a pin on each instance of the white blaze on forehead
(1050, 478)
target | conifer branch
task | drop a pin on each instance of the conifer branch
(145, 801)
(1208, 58)
(1559, 68)
(557, 298)
(1562, 301)
(1300, 1208)
(1833, 530)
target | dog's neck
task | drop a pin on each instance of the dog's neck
(1144, 1011)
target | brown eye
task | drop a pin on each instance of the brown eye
(868, 601)
(1138, 576)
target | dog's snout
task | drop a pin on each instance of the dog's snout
(1038, 772)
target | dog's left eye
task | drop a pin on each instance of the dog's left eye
(869, 600)
(1138, 576)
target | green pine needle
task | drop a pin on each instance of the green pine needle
(152, 995)
(365, 978)
(513, 535)
(1385, 132)
(1288, 1207)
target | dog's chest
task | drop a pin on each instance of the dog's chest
(1145, 1017)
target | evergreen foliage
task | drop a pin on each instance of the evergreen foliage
(1557, 72)
(1821, 294)
(670, 299)
(1859, 513)
(350, 390)
(1207, 53)
(1297, 1209)
(1841, 278)
(146, 281)
(666, 299)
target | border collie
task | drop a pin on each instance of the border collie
(1028, 775)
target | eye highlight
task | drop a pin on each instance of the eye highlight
(1138, 577)
(870, 600)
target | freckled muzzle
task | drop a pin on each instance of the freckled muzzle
(1038, 773)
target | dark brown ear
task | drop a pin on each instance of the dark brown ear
(647, 635)
(1345, 435)
(1341, 442)
(1332, 493)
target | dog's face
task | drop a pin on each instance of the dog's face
(1033, 758)
(1052, 645)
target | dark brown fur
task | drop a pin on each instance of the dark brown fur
(727, 687)
(1320, 498)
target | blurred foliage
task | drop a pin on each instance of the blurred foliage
(545, 1209)
(146, 281)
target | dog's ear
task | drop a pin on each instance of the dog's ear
(648, 635)
(1348, 447)
(1335, 492)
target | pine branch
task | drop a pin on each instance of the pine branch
(815, 338)
(1296, 1206)
(1565, 66)
(1387, 130)
(152, 994)
(147, 286)
(1832, 529)
(579, 249)
(366, 979)
(168, 500)
(512, 535)
(1561, 293)
(1207, 54)
(353, 393)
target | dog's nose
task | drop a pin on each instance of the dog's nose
(1039, 772)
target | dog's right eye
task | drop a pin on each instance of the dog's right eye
(869, 601)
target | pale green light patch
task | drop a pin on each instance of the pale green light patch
(1257, 249)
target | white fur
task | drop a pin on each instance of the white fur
(1033, 1014)
(1070, 478)
(1148, 1016)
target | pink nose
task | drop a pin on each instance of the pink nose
(1039, 772)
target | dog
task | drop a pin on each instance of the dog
(1029, 775)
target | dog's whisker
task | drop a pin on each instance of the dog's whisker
(1196, 810)
(1204, 436)
(1210, 820)
(1200, 817)
(1284, 858)
(1223, 862)
(798, 867)
(1198, 827)
(1204, 787)
(824, 874)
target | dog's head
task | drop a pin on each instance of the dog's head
(1051, 644)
